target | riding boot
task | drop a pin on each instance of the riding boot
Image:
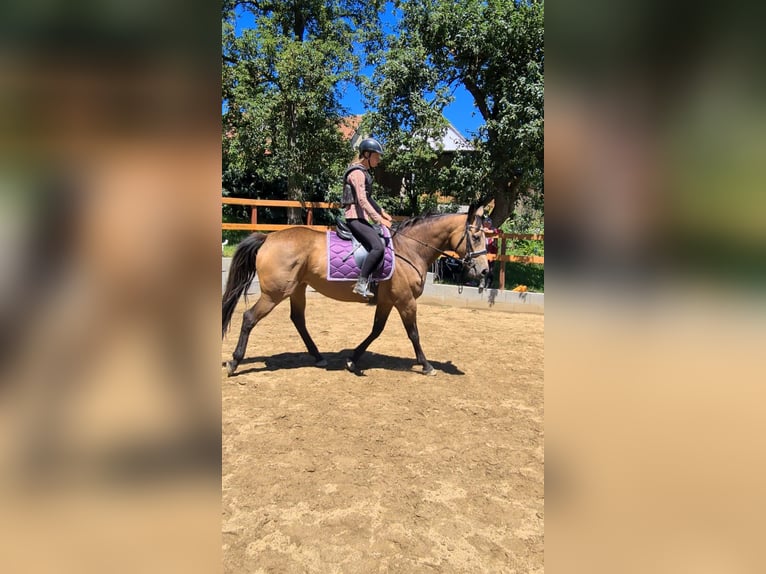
(361, 287)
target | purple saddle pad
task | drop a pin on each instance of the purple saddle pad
(343, 265)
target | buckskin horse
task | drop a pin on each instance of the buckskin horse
(291, 259)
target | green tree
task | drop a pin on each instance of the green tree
(282, 82)
(494, 49)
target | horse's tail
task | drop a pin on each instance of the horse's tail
(241, 275)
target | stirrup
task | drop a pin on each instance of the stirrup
(363, 290)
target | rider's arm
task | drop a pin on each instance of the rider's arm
(383, 213)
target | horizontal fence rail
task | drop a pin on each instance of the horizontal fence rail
(256, 203)
(505, 239)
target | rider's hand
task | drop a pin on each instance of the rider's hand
(385, 222)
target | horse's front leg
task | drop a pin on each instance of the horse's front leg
(298, 317)
(409, 314)
(382, 311)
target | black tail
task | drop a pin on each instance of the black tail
(241, 274)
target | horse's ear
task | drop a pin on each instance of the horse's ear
(474, 211)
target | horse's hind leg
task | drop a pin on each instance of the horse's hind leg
(298, 317)
(409, 314)
(262, 307)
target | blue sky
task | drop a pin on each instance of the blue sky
(461, 113)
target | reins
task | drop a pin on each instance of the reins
(463, 261)
(444, 253)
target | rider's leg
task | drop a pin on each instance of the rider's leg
(368, 237)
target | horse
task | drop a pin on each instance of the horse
(291, 259)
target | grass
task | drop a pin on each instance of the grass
(533, 276)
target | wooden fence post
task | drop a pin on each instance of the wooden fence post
(501, 252)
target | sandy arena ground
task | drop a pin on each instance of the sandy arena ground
(326, 471)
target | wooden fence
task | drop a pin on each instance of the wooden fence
(256, 203)
(505, 239)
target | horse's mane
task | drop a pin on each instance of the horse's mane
(419, 219)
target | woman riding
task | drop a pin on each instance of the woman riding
(359, 207)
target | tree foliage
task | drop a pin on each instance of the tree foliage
(282, 81)
(492, 48)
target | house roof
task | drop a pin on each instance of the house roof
(349, 125)
(452, 140)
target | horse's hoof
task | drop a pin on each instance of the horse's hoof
(321, 363)
(231, 366)
(350, 365)
(429, 371)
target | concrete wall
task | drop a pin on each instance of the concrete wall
(450, 295)
(455, 296)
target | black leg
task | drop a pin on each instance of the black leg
(410, 320)
(262, 307)
(298, 317)
(382, 311)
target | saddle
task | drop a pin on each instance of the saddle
(345, 254)
(343, 231)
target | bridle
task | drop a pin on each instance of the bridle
(469, 253)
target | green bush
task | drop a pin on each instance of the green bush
(233, 236)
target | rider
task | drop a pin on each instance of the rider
(359, 207)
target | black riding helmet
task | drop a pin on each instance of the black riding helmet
(371, 145)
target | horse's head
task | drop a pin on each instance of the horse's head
(470, 243)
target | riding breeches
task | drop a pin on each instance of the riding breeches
(370, 240)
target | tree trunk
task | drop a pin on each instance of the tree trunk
(505, 195)
(412, 200)
(294, 193)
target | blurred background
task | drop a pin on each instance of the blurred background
(109, 296)
(655, 268)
